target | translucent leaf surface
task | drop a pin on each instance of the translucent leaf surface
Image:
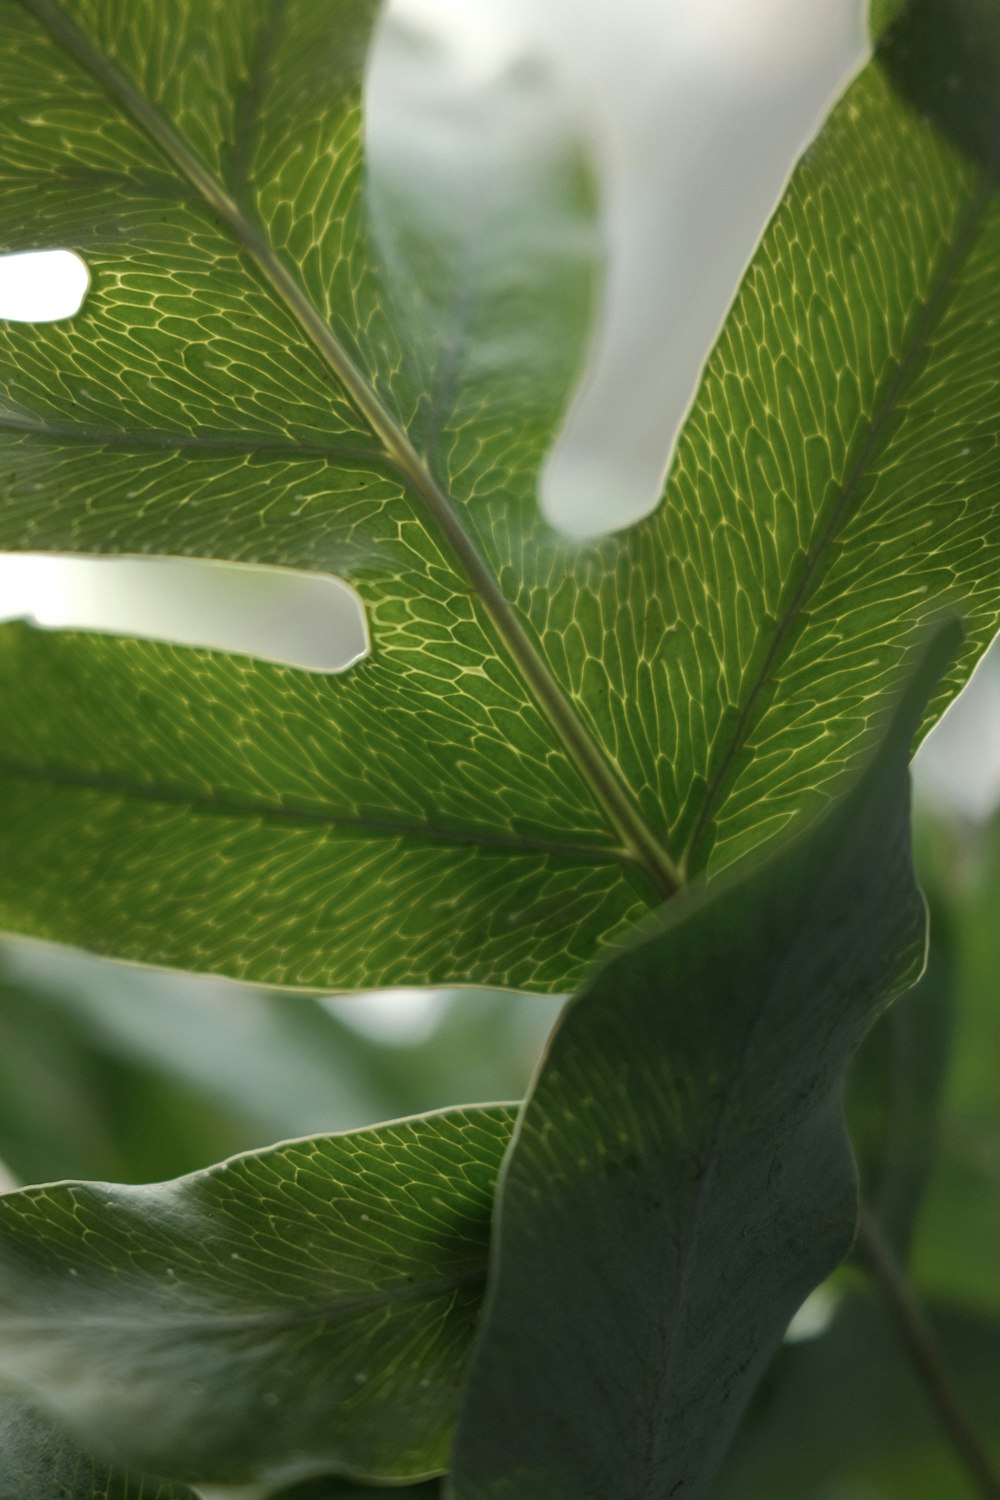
(275, 366)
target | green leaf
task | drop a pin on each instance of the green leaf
(302, 1308)
(39, 1462)
(425, 796)
(680, 1176)
(546, 736)
(124, 860)
(845, 1415)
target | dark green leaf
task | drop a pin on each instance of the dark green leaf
(545, 736)
(680, 1177)
(307, 1306)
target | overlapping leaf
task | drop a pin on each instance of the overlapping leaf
(680, 1176)
(305, 1308)
(545, 736)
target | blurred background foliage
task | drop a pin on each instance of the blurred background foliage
(114, 1072)
(126, 1075)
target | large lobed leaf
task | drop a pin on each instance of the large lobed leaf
(301, 1309)
(546, 737)
(680, 1176)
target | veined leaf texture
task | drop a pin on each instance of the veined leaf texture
(546, 738)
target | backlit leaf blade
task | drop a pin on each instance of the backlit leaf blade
(842, 447)
(241, 836)
(667, 698)
(680, 1177)
(39, 1462)
(300, 1309)
(433, 743)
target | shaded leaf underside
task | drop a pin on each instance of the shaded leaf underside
(520, 766)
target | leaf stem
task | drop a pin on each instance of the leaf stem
(640, 843)
(915, 1332)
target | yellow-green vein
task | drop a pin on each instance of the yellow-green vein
(618, 805)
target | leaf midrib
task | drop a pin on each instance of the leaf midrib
(615, 801)
(927, 315)
(337, 1306)
(158, 794)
